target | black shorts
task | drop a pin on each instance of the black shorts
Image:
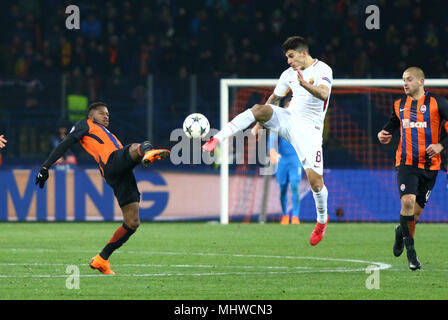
(118, 173)
(413, 180)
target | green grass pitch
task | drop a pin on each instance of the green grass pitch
(203, 261)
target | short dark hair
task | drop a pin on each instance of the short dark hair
(416, 71)
(95, 105)
(295, 43)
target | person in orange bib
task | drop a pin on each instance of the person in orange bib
(419, 116)
(116, 164)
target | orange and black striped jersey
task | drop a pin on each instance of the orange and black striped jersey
(420, 122)
(93, 137)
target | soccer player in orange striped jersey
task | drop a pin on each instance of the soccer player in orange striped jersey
(419, 115)
(116, 164)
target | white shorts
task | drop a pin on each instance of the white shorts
(305, 137)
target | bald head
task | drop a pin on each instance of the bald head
(416, 72)
(413, 82)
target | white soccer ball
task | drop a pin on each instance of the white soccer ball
(196, 126)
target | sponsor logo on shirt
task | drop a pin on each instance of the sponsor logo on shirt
(411, 124)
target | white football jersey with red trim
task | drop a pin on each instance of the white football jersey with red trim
(303, 104)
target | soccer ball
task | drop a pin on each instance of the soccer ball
(196, 126)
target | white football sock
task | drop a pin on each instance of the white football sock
(239, 123)
(320, 198)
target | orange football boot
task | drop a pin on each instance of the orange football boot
(101, 265)
(285, 219)
(295, 220)
(153, 155)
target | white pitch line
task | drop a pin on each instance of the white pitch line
(170, 274)
(380, 265)
(156, 265)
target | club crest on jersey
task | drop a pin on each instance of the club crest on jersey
(422, 108)
(311, 81)
(403, 187)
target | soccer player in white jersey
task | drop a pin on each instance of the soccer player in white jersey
(301, 124)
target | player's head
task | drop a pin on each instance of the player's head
(413, 80)
(296, 50)
(98, 112)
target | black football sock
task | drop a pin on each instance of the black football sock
(404, 224)
(120, 236)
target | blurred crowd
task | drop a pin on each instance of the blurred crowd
(120, 43)
(221, 38)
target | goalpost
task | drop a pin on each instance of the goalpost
(392, 86)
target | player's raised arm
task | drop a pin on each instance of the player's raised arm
(57, 152)
(321, 91)
(78, 130)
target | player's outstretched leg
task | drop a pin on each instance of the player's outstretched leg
(153, 155)
(147, 154)
(261, 113)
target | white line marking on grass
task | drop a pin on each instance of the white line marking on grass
(269, 269)
(381, 265)
(179, 274)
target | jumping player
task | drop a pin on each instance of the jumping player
(419, 116)
(115, 163)
(301, 124)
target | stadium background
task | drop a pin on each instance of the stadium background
(154, 62)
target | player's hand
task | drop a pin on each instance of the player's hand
(384, 137)
(274, 156)
(300, 77)
(2, 141)
(434, 149)
(254, 130)
(41, 177)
